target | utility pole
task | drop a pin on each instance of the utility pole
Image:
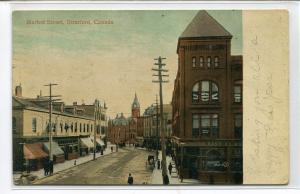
(160, 80)
(96, 106)
(157, 135)
(51, 100)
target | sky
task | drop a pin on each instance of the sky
(110, 62)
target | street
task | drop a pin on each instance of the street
(112, 169)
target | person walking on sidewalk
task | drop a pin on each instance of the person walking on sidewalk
(158, 164)
(170, 168)
(130, 179)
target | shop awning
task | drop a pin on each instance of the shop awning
(86, 142)
(34, 151)
(98, 141)
(56, 150)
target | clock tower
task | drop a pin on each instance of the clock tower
(135, 107)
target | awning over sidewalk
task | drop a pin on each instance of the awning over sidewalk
(56, 150)
(98, 141)
(86, 142)
(34, 151)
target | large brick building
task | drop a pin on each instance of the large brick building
(207, 104)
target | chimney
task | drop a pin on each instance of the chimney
(18, 91)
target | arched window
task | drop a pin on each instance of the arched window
(193, 61)
(216, 61)
(205, 91)
(201, 60)
(208, 62)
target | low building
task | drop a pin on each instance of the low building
(71, 125)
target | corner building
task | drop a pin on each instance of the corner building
(207, 104)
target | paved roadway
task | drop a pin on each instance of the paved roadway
(107, 170)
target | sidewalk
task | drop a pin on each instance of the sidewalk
(68, 163)
(156, 178)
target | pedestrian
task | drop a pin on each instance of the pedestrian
(158, 164)
(74, 162)
(51, 167)
(112, 149)
(130, 179)
(166, 179)
(170, 168)
(45, 168)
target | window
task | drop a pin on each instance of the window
(66, 127)
(84, 127)
(61, 127)
(194, 62)
(214, 92)
(216, 62)
(14, 125)
(237, 92)
(80, 127)
(238, 126)
(75, 127)
(195, 92)
(33, 125)
(201, 61)
(91, 128)
(208, 62)
(88, 128)
(205, 125)
(206, 91)
(102, 130)
(72, 127)
(196, 125)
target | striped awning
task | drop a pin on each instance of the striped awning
(56, 150)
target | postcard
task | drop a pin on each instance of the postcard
(150, 97)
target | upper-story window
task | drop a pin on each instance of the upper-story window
(91, 128)
(80, 127)
(238, 125)
(216, 62)
(88, 128)
(193, 61)
(208, 62)
(205, 125)
(61, 127)
(75, 127)
(205, 91)
(201, 61)
(84, 127)
(34, 125)
(238, 91)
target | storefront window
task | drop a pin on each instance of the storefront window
(215, 161)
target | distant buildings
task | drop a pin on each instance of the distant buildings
(73, 130)
(152, 132)
(207, 104)
(122, 130)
